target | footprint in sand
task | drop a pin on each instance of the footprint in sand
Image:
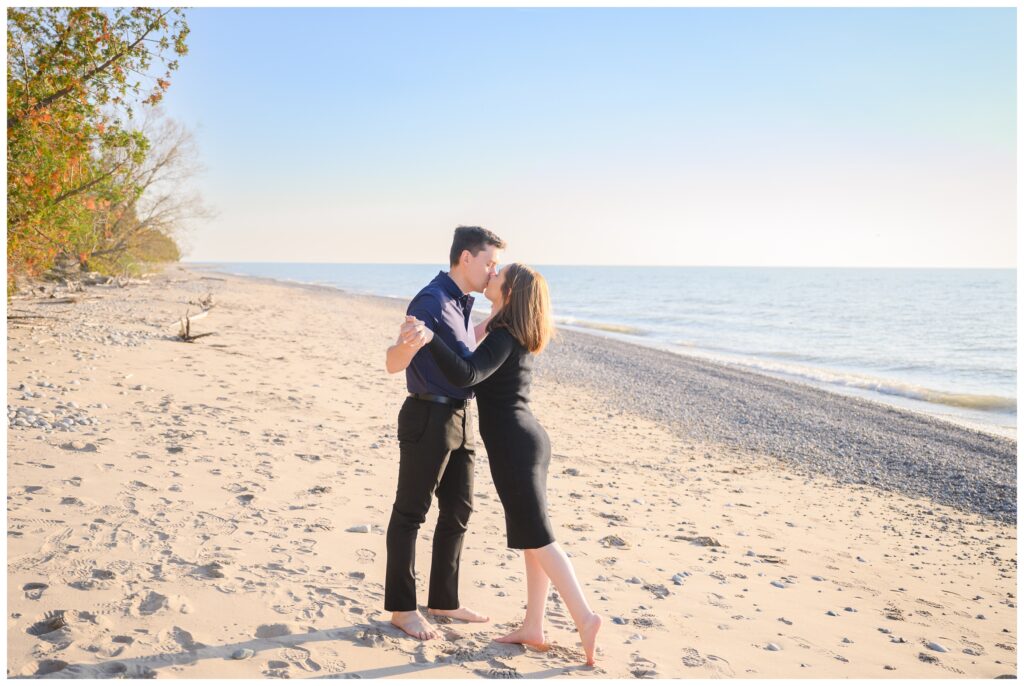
(498, 673)
(718, 601)
(152, 603)
(692, 658)
(49, 623)
(319, 525)
(642, 668)
(277, 669)
(720, 665)
(428, 652)
(34, 590)
(209, 571)
(176, 639)
(461, 654)
(272, 630)
(300, 658)
(114, 669)
(43, 667)
(371, 637)
(334, 666)
(648, 622)
(243, 486)
(554, 653)
(894, 613)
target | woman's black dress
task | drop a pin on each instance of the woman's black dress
(518, 448)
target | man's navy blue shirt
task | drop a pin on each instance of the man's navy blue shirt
(443, 307)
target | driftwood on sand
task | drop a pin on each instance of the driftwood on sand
(185, 331)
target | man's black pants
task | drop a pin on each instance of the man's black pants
(437, 449)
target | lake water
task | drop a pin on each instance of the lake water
(940, 341)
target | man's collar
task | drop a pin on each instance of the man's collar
(450, 286)
(453, 290)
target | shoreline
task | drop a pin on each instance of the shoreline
(854, 440)
(888, 400)
(218, 510)
(951, 414)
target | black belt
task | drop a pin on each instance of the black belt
(445, 400)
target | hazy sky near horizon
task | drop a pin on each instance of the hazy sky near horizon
(802, 137)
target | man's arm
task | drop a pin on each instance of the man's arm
(425, 308)
(399, 356)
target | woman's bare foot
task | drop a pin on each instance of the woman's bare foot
(414, 624)
(533, 638)
(463, 613)
(588, 634)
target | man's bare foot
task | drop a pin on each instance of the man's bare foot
(414, 624)
(463, 613)
(588, 635)
(528, 637)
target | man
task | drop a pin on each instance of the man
(435, 437)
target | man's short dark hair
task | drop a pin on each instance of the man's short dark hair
(474, 239)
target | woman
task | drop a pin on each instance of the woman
(518, 449)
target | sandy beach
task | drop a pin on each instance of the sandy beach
(218, 508)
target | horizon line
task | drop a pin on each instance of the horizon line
(551, 264)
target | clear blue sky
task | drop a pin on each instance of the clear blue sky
(881, 137)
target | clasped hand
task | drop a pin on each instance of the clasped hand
(415, 333)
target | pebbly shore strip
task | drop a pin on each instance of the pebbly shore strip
(852, 440)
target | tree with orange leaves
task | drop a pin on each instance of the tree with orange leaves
(75, 77)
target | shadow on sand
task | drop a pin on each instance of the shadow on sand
(364, 635)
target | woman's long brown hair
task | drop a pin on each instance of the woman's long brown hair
(526, 311)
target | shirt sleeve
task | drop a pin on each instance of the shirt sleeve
(427, 309)
(484, 361)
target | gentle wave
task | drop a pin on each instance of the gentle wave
(980, 402)
(601, 326)
(988, 403)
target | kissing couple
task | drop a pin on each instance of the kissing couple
(447, 361)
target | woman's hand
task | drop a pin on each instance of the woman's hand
(415, 333)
